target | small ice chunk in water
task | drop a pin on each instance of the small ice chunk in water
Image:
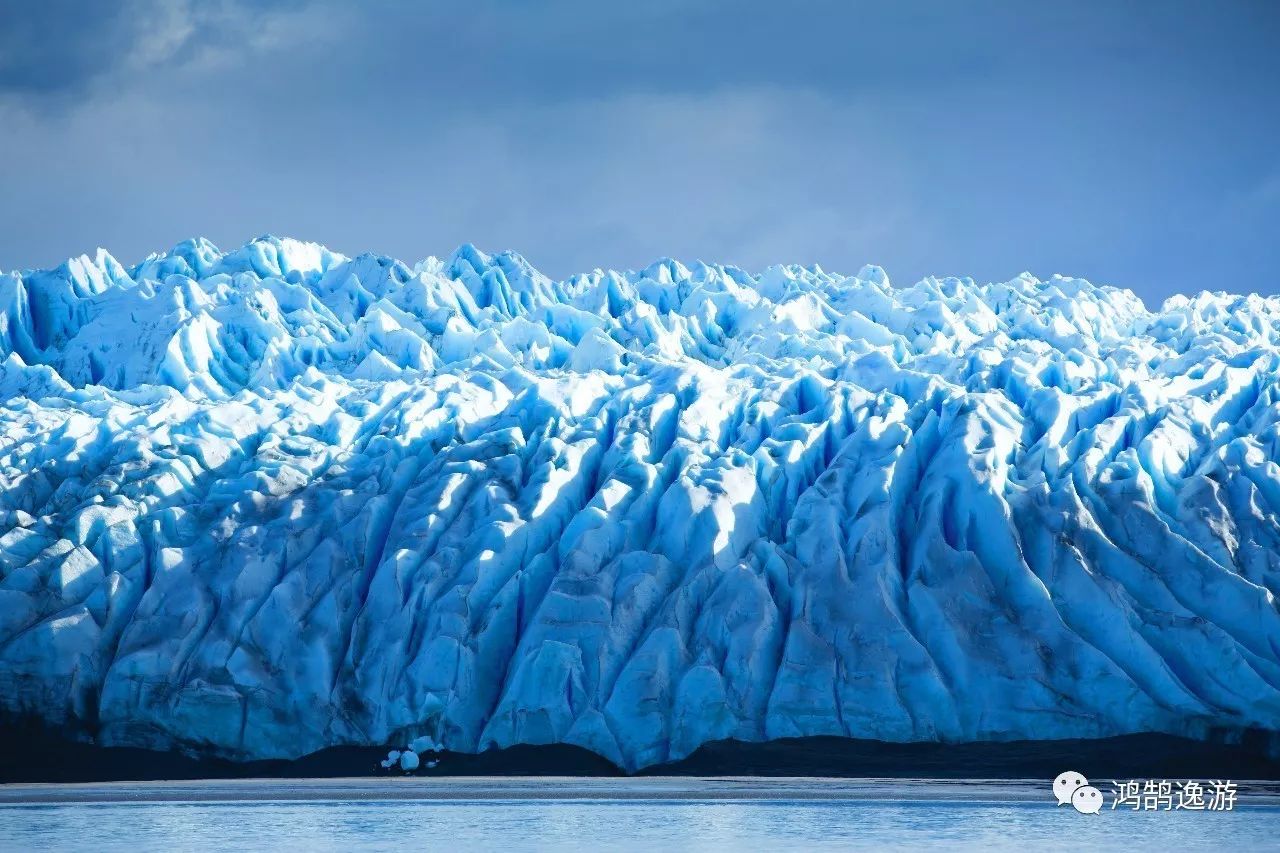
(425, 743)
(409, 760)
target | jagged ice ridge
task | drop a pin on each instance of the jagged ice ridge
(262, 502)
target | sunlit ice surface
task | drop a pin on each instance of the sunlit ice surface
(261, 502)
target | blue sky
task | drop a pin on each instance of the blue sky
(1129, 143)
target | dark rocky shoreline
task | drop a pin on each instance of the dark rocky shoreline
(32, 753)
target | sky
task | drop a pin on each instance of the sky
(1130, 143)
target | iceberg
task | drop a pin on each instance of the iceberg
(258, 503)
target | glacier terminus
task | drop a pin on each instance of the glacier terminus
(262, 502)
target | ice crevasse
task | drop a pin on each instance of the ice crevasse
(260, 502)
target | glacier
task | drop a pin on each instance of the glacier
(261, 502)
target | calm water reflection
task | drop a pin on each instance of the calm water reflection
(633, 824)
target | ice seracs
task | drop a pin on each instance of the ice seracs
(261, 502)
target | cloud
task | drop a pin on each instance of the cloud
(57, 53)
(1099, 139)
(754, 178)
(58, 46)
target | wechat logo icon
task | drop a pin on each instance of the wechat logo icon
(1071, 788)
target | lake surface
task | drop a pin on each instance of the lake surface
(605, 814)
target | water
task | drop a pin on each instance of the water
(575, 814)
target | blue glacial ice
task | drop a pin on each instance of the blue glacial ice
(261, 502)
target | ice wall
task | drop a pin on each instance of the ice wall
(261, 502)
